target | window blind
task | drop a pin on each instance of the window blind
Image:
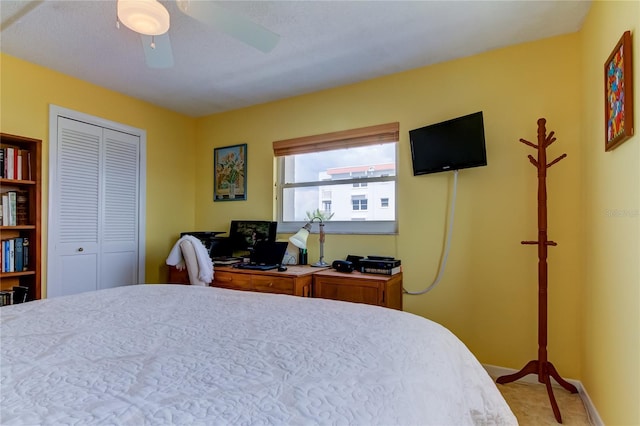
(371, 135)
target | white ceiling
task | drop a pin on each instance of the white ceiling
(323, 44)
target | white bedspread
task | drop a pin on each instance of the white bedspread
(185, 355)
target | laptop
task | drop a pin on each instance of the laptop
(265, 256)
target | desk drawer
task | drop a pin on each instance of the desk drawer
(269, 284)
(232, 281)
(381, 290)
(349, 290)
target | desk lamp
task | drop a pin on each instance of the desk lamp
(300, 239)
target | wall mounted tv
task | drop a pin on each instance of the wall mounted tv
(245, 233)
(450, 145)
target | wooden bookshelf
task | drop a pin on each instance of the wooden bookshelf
(30, 185)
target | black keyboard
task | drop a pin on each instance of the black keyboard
(255, 267)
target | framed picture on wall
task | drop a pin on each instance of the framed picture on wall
(230, 173)
(618, 94)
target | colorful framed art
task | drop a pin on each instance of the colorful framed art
(618, 94)
(230, 173)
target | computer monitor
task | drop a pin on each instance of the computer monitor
(244, 234)
(216, 246)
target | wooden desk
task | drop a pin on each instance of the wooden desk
(308, 281)
(373, 289)
(177, 277)
(296, 280)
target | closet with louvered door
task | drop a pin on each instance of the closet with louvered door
(94, 209)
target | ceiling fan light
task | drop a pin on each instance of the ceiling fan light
(148, 17)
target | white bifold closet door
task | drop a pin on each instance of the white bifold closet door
(95, 192)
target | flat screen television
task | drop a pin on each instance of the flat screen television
(450, 145)
(244, 234)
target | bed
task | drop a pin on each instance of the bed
(189, 355)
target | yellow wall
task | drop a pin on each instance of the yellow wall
(28, 89)
(611, 290)
(488, 295)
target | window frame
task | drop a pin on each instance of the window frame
(373, 135)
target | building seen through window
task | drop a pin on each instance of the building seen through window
(343, 180)
(341, 188)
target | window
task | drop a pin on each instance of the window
(321, 172)
(359, 202)
(384, 202)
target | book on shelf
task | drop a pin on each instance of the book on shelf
(19, 255)
(5, 255)
(5, 210)
(20, 293)
(26, 165)
(15, 255)
(25, 253)
(15, 163)
(19, 165)
(23, 164)
(381, 271)
(9, 204)
(6, 297)
(22, 208)
(11, 262)
(13, 197)
(9, 162)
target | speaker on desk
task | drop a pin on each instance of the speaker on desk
(342, 266)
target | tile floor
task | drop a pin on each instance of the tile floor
(530, 404)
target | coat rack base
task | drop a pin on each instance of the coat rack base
(545, 370)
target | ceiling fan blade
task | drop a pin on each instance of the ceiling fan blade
(232, 23)
(162, 55)
(29, 6)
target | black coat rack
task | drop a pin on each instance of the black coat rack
(541, 366)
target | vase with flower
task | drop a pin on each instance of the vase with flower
(230, 170)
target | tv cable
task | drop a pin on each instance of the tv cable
(447, 244)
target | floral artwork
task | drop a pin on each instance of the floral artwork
(618, 94)
(230, 173)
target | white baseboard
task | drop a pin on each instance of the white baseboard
(594, 418)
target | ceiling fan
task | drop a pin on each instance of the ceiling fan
(151, 19)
